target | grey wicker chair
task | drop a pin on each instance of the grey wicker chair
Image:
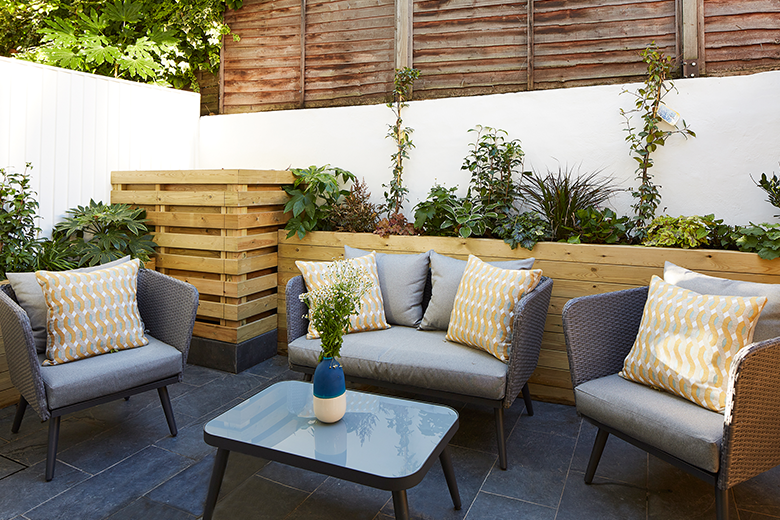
(722, 449)
(167, 307)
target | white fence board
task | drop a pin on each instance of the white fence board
(76, 128)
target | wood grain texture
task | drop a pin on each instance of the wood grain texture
(577, 270)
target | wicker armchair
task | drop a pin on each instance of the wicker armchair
(167, 307)
(722, 449)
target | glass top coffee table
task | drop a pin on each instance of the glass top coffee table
(382, 442)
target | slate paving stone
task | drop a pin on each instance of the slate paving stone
(488, 506)
(208, 397)
(431, 497)
(28, 488)
(198, 376)
(557, 419)
(31, 449)
(604, 499)
(675, 494)
(9, 467)
(291, 476)
(187, 490)
(146, 509)
(112, 490)
(117, 443)
(274, 368)
(761, 494)
(31, 423)
(260, 498)
(338, 500)
(620, 460)
(537, 467)
(477, 426)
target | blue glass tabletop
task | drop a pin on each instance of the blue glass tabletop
(379, 435)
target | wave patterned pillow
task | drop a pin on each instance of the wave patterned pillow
(91, 313)
(686, 342)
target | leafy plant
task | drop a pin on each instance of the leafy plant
(471, 218)
(599, 226)
(772, 189)
(144, 40)
(395, 224)
(559, 195)
(356, 213)
(524, 229)
(313, 195)
(331, 305)
(437, 209)
(689, 232)
(20, 248)
(763, 239)
(645, 141)
(99, 233)
(494, 163)
(402, 136)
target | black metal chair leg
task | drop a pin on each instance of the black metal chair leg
(595, 455)
(20, 409)
(307, 377)
(449, 476)
(220, 462)
(51, 452)
(529, 406)
(166, 404)
(499, 413)
(401, 505)
(721, 503)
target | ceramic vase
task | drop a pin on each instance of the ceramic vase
(330, 397)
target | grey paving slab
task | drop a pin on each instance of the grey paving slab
(146, 509)
(274, 368)
(297, 478)
(260, 498)
(537, 468)
(198, 376)
(30, 424)
(761, 494)
(31, 449)
(216, 393)
(27, 489)
(620, 460)
(9, 467)
(604, 499)
(114, 489)
(338, 500)
(477, 426)
(557, 419)
(488, 506)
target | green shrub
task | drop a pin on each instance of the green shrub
(438, 209)
(356, 213)
(772, 188)
(599, 226)
(559, 195)
(524, 229)
(763, 239)
(99, 233)
(689, 232)
(313, 195)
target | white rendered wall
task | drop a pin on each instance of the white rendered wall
(736, 119)
(76, 128)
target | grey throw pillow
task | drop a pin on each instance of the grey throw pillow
(401, 281)
(446, 273)
(768, 325)
(30, 297)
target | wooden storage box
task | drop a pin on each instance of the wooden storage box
(217, 229)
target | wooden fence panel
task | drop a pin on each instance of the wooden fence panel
(262, 71)
(349, 52)
(465, 47)
(741, 36)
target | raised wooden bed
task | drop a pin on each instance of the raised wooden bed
(576, 269)
(217, 229)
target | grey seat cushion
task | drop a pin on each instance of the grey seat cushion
(96, 376)
(665, 421)
(446, 273)
(407, 356)
(401, 281)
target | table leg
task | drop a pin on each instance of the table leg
(400, 504)
(449, 474)
(220, 462)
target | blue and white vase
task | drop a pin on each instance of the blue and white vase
(330, 397)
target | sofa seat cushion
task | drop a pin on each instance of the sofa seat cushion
(85, 379)
(660, 419)
(407, 356)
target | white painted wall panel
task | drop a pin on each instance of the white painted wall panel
(736, 119)
(76, 128)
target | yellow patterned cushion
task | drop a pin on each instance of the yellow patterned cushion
(484, 305)
(372, 309)
(686, 342)
(91, 313)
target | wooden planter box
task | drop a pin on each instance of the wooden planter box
(577, 269)
(217, 229)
